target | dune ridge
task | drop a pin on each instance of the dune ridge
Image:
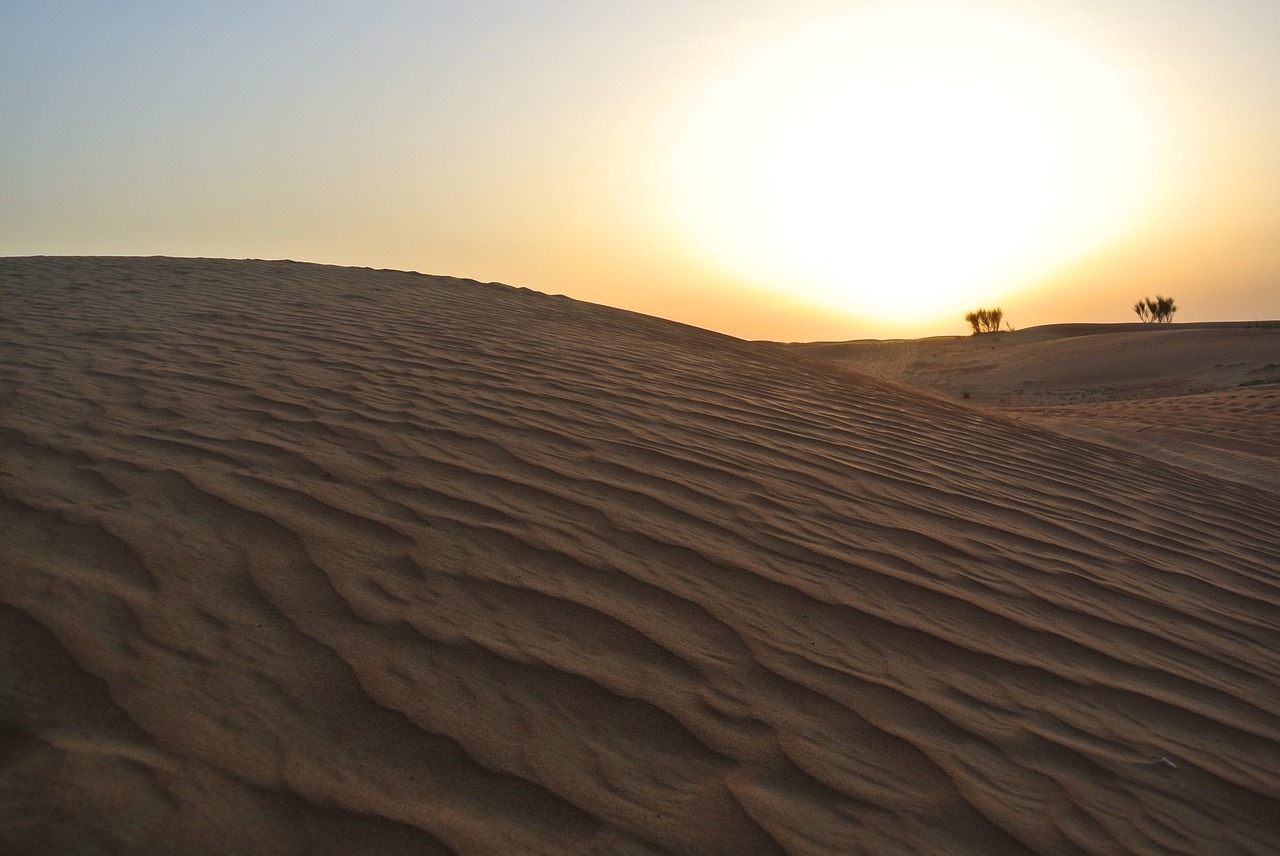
(301, 558)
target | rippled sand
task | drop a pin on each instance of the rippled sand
(305, 559)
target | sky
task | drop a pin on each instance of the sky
(798, 171)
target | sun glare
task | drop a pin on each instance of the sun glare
(903, 166)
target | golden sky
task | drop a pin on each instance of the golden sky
(799, 171)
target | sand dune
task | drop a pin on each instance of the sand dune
(304, 559)
(1073, 363)
(1205, 396)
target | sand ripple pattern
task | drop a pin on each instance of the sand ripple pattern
(305, 559)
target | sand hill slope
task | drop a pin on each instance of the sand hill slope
(302, 559)
(1073, 363)
(1205, 395)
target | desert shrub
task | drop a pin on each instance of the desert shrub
(985, 320)
(1158, 311)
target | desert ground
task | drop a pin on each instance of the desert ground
(1205, 395)
(308, 559)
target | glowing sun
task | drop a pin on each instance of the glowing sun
(904, 165)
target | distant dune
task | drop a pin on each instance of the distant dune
(306, 559)
(1205, 396)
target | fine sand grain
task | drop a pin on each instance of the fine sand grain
(305, 559)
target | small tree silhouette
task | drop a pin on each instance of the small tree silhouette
(985, 320)
(1158, 311)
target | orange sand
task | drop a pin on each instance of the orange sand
(303, 559)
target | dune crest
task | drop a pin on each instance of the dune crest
(311, 559)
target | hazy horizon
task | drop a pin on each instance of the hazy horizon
(817, 171)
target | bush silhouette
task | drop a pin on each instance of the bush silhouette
(1158, 311)
(985, 320)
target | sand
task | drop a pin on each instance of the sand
(305, 559)
(1204, 396)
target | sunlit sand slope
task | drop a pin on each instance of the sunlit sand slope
(301, 559)
(1073, 363)
(1203, 395)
